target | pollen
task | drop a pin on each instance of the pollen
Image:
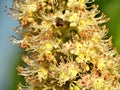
(49, 46)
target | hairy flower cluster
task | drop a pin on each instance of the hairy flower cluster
(66, 46)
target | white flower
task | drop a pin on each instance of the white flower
(70, 3)
(74, 19)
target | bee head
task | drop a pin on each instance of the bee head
(59, 22)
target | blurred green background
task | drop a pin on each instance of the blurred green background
(10, 54)
(112, 9)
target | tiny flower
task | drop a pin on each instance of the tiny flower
(49, 46)
(70, 2)
(74, 19)
(101, 65)
(98, 83)
(42, 73)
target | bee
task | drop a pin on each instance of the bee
(59, 22)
